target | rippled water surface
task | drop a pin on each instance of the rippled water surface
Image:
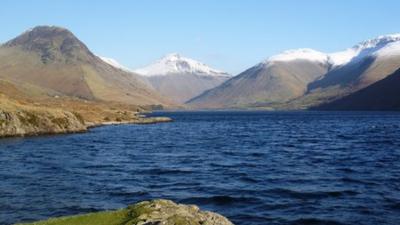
(253, 167)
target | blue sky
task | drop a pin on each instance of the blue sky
(231, 35)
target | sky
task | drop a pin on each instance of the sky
(230, 35)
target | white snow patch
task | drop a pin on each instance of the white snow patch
(387, 45)
(392, 49)
(343, 57)
(176, 64)
(299, 54)
(115, 63)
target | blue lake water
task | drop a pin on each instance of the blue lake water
(256, 168)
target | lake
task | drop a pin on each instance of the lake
(256, 168)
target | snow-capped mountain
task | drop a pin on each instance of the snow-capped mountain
(278, 79)
(359, 66)
(115, 63)
(303, 77)
(181, 78)
(387, 45)
(177, 64)
(299, 54)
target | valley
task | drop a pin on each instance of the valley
(199, 112)
(47, 74)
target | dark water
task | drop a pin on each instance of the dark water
(254, 167)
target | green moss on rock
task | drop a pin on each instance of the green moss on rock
(102, 218)
(154, 212)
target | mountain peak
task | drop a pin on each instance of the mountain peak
(40, 34)
(52, 43)
(382, 45)
(174, 63)
(173, 56)
(299, 54)
(379, 41)
(48, 28)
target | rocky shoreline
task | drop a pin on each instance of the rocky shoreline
(31, 122)
(140, 120)
(155, 212)
(36, 121)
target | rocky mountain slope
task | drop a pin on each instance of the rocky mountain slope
(382, 95)
(278, 79)
(54, 60)
(180, 78)
(369, 62)
(146, 213)
(326, 78)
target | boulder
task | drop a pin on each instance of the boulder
(155, 212)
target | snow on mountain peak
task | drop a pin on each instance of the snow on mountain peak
(386, 45)
(341, 58)
(299, 54)
(176, 64)
(173, 56)
(115, 63)
(378, 42)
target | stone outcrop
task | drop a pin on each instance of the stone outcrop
(156, 212)
(165, 212)
(35, 122)
(27, 118)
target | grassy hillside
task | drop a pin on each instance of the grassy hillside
(54, 60)
(22, 119)
(29, 112)
(263, 84)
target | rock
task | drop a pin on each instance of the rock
(165, 212)
(152, 120)
(156, 212)
(21, 120)
(32, 122)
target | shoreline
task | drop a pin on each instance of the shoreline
(139, 121)
(90, 125)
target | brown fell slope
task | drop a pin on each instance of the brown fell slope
(53, 59)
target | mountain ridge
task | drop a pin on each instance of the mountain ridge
(174, 63)
(335, 75)
(181, 78)
(54, 59)
(382, 95)
(115, 63)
